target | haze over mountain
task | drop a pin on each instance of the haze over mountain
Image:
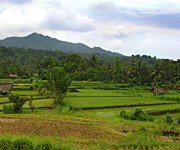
(39, 41)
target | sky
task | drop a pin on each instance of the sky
(145, 27)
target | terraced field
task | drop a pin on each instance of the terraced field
(91, 117)
(88, 133)
(92, 98)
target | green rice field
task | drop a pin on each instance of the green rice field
(90, 117)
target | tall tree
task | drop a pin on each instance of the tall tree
(59, 80)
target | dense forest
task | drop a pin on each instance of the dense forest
(134, 70)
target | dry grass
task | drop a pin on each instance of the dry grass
(58, 127)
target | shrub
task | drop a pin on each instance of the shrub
(64, 109)
(169, 119)
(139, 114)
(5, 144)
(124, 115)
(31, 105)
(44, 146)
(4, 93)
(142, 129)
(31, 88)
(178, 120)
(73, 90)
(22, 144)
(8, 109)
(18, 102)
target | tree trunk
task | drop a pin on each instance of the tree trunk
(58, 100)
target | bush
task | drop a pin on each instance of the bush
(73, 90)
(18, 102)
(22, 144)
(124, 115)
(5, 144)
(31, 105)
(64, 109)
(4, 92)
(178, 120)
(139, 114)
(8, 109)
(27, 144)
(169, 119)
(31, 88)
(44, 146)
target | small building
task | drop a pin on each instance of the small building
(13, 76)
(159, 91)
(178, 88)
(5, 88)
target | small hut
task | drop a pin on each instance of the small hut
(13, 76)
(178, 88)
(159, 91)
(5, 88)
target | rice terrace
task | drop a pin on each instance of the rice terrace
(91, 118)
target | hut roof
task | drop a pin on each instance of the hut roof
(13, 75)
(6, 86)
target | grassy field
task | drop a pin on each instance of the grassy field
(91, 118)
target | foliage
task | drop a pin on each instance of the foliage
(25, 143)
(139, 114)
(124, 115)
(8, 108)
(22, 144)
(44, 146)
(63, 109)
(39, 85)
(17, 101)
(5, 144)
(59, 80)
(135, 70)
(143, 135)
(169, 119)
(31, 105)
(177, 84)
(178, 120)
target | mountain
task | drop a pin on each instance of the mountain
(39, 41)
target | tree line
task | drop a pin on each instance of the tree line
(134, 70)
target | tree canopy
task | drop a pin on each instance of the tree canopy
(59, 79)
(135, 70)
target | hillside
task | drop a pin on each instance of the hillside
(39, 41)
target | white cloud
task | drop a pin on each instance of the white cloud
(15, 1)
(27, 19)
(65, 18)
(119, 25)
(161, 45)
(38, 16)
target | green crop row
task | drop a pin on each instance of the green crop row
(25, 143)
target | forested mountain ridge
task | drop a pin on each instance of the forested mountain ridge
(39, 41)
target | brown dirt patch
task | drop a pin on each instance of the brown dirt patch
(169, 139)
(125, 128)
(7, 120)
(53, 127)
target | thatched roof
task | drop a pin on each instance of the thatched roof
(5, 87)
(178, 88)
(13, 75)
(159, 91)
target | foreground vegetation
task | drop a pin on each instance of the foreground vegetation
(91, 118)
